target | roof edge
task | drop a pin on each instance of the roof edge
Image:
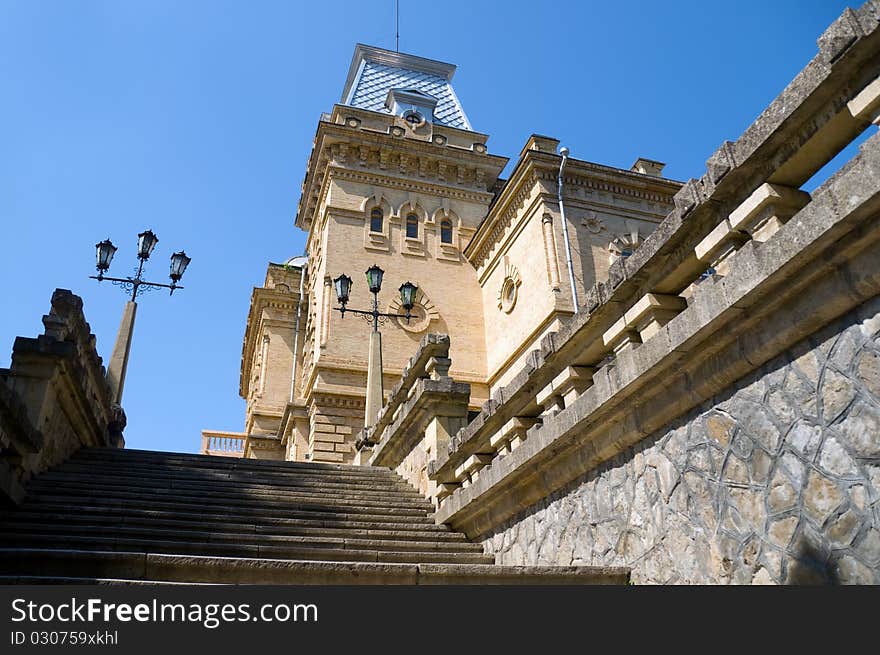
(364, 53)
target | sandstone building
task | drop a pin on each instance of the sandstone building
(692, 396)
(399, 178)
(709, 412)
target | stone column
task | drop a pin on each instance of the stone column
(550, 251)
(121, 349)
(375, 392)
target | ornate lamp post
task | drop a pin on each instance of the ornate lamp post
(136, 286)
(408, 292)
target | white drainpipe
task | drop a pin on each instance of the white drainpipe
(302, 276)
(574, 296)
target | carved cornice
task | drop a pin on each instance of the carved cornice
(491, 230)
(536, 168)
(409, 184)
(325, 399)
(409, 162)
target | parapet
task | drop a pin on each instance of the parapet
(54, 398)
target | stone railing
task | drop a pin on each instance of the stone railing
(744, 266)
(54, 398)
(424, 409)
(223, 444)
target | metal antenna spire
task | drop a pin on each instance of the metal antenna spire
(397, 26)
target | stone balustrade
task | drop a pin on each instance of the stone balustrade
(54, 398)
(678, 319)
(431, 359)
(424, 409)
(223, 444)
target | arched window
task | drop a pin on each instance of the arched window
(412, 226)
(376, 219)
(445, 231)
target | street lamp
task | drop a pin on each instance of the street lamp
(136, 285)
(408, 291)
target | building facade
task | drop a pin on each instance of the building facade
(399, 178)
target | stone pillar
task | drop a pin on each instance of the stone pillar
(716, 249)
(866, 105)
(767, 209)
(375, 392)
(550, 251)
(652, 312)
(121, 349)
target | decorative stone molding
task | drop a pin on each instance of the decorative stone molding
(550, 253)
(424, 312)
(413, 246)
(509, 290)
(624, 245)
(350, 151)
(377, 240)
(592, 222)
(447, 251)
(563, 390)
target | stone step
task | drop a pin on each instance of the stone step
(264, 514)
(210, 534)
(58, 580)
(230, 492)
(170, 500)
(72, 566)
(219, 523)
(323, 552)
(130, 456)
(125, 513)
(387, 479)
(289, 483)
(146, 473)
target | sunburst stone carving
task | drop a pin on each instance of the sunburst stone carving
(509, 289)
(422, 314)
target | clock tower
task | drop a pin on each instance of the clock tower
(397, 177)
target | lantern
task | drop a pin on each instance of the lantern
(343, 288)
(146, 242)
(374, 278)
(179, 262)
(104, 253)
(408, 292)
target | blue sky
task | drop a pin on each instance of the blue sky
(196, 119)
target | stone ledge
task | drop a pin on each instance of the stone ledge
(561, 451)
(152, 567)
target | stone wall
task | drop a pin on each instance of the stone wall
(775, 480)
(414, 467)
(55, 398)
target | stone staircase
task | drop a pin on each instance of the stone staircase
(112, 515)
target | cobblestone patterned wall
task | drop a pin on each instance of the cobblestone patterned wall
(777, 480)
